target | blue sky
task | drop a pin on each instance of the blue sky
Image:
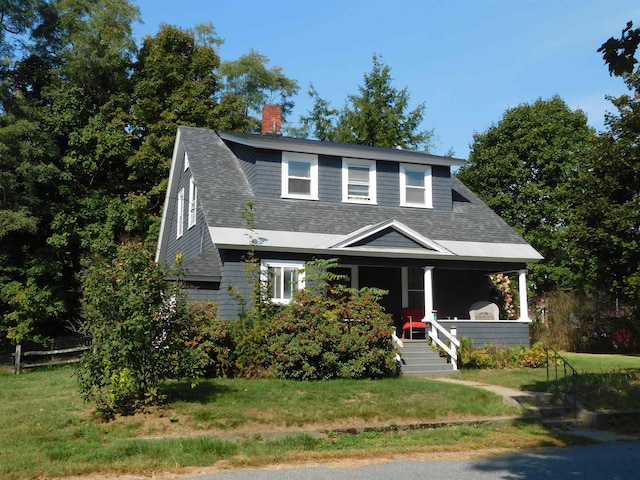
(468, 61)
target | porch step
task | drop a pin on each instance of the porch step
(420, 361)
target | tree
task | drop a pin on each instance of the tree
(606, 204)
(249, 80)
(138, 320)
(522, 167)
(619, 53)
(377, 116)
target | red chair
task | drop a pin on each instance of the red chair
(412, 320)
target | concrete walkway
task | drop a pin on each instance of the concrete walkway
(514, 397)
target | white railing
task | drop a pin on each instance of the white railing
(434, 330)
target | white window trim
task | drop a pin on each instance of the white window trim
(193, 203)
(180, 214)
(313, 160)
(371, 165)
(266, 264)
(186, 161)
(428, 188)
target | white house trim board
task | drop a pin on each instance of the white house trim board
(366, 232)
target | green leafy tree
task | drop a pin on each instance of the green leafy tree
(523, 168)
(140, 328)
(606, 204)
(619, 53)
(378, 115)
(250, 81)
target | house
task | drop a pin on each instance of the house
(396, 219)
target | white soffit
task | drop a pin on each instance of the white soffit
(497, 251)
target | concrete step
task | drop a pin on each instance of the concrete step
(421, 361)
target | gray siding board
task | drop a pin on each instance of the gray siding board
(193, 240)
(388, 183)
(441, 186)
(505, 333)
(330, 179)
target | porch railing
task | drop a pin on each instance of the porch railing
(435, 330)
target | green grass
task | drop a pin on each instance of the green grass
(47, 430)
(607, 381)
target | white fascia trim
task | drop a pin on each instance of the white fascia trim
(172, 189)
(520, 252)
(392, 223)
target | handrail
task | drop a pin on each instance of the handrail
(455, 343)
(557, 358)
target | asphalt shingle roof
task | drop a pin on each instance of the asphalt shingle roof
(224, 190)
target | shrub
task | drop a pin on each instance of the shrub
(141, 331)
(327, 331)
(492, 356)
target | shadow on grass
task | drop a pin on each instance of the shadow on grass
(606, 390)
(204, 392)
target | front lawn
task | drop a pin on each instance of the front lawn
(47, 429)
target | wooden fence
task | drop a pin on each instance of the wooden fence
(61, 351)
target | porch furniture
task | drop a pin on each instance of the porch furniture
(484, 310)
(412, 319)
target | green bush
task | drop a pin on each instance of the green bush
(318, 338)
(492, 356)
(142, 333)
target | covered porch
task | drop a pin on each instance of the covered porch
(446, 294)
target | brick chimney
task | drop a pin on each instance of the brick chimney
(271, 119)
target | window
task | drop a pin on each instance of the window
(358, 181)
(180, 214)
(193, 203)
(299, 176)
(283, 279)
(186, 162)
(415, 186)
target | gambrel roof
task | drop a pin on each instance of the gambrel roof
(469, 230)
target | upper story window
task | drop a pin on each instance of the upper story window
(180, 214)
(283, 279)
(358, 181)
(415, 186)
(186, 162)
(299, 176)
(193, 203)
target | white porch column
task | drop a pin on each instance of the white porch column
(428, 291)
(524, 302)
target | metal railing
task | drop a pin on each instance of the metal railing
(569, 380)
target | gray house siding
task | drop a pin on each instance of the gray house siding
(503, 333)
(441, 185)
(330, 179)
(195, 239)
(263, 169)
(389, 238)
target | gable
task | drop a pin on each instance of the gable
(390, 238)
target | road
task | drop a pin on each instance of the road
(610, 461)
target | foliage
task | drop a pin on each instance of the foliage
(521, 167)
(249, 80)
(87, 127)
(619, 54)
(212, 339)
(505, 295)
(141, 332)
(605, 205)
(492, 356)
(377, 116)
(327, 331)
